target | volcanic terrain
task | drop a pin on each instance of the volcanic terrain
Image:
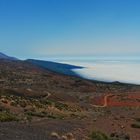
(39, 104)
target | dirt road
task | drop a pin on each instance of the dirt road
(105, 101)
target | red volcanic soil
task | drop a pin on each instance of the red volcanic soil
(98, 100)
(129, 99)
(134, 95)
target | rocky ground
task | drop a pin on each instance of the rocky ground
(37, 104)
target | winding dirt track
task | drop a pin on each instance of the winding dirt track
(105, 101)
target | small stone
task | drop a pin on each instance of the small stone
(54, 134)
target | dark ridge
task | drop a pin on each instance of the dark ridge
(56, 67)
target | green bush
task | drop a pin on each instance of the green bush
(22, 103)
(13, 104)
(29, 118)
(137, 119)
(97, 135)
(135, 125)
(61, 106)
(55, 116)
(47, 102)
(7, 117)
(36, 114)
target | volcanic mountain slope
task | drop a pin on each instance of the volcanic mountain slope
(56, 67)
(59, 106)
(23, 75)
(3, 56)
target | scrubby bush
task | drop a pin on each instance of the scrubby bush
(13, 104)
(22, 103)
(47, 102)
(137, 119)
(61, 106)
(97, 135)
(135, 125)
(36, 114)
(7, 117)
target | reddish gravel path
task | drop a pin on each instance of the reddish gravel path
(105, 100)
(131, 99)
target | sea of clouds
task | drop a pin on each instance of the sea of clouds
(108, 71)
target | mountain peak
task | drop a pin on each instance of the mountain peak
(4, 56)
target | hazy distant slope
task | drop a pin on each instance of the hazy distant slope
(4, 56)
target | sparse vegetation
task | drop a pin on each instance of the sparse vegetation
(68, 108)
(61, 106)
(137, 119)
(36, 114)
(7, 117)
(135, 125)
(97, 135)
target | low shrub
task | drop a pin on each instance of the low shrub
(135, 125)
(13, 104)
(137, 119)
(61, 106)
(7, 117)
(36, 114)
(97, 135)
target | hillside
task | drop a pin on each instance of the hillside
(55, 66)
(63, 107)
(3, 56)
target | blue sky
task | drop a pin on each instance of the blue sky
(53, 28)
